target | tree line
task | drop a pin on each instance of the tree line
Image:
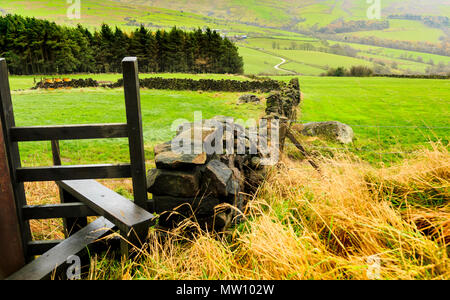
(34, 46)
(353, 26)
(337, 49)
(442, 48)
(432, 21)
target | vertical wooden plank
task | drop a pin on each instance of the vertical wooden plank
(12, 151)
(71, 225)
(11, 249)
(135, 136)
(56, 153)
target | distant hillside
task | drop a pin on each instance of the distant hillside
(295, 13)
(249, 15)
(310, 36)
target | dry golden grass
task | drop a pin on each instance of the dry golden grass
(305, 225)
(40, 193)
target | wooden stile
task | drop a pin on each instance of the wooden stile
(81, 196)
(68, 132)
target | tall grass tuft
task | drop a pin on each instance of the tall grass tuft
(306, 225)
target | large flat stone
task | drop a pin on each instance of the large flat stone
(332, 130)
(172, 160)
(173, 183)
(160, 148)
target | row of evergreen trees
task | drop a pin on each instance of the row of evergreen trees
(33, 46)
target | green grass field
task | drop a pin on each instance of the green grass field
(315, 63)
(322, 59)
(402, 64)
(406, 30)
(396, 53)
(257, 62)
(390, 117)
(90, 106)
(304, 69)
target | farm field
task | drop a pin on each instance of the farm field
(322, 59)
(257, 62)
(414, 67)
(90, 106)
(300, 61)
(396, 53)
(391, 117)
(114, 13)
(303, 68)
(315, 63)
(406, 30)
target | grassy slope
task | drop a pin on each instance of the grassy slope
(407, 30)
(282, 12)
(321, 59)
(396, 105)
(96, 12)
(396, 53)
(314, 63)
(300, 61)
(303, 68)
(233, 17)
(257, 62)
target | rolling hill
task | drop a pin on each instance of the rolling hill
(257, 25)
(284, 12)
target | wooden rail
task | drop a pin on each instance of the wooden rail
(52, 211)
(57, 173)
(68, 132)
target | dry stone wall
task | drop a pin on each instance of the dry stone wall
(224, 85)
(210, 185)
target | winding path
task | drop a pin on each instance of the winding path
(277, 67)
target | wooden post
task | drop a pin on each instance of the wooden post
(12, 152)
(11, 250)
(135, 136)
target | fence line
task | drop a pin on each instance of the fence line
(380, 126)
(361, 150)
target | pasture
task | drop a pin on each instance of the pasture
(90, 106)
(257, 59)
(406, 30)
(391, 117)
